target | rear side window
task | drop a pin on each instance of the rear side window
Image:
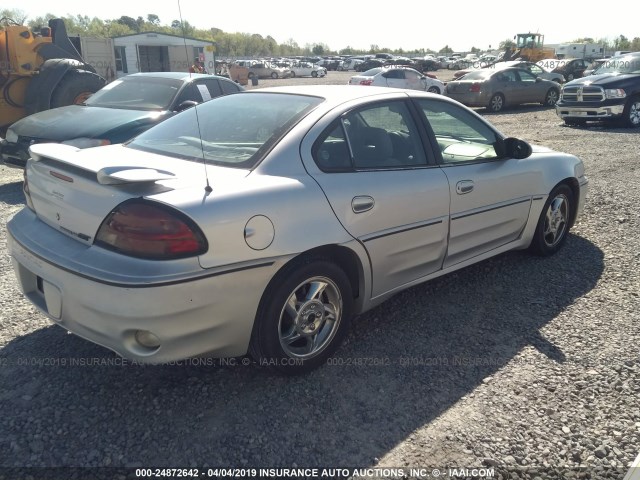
(382, 136)
(229, 87)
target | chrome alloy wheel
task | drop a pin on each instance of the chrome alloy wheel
(634, 113)
(310, 318)
(556, 221)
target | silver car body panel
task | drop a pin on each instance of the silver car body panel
(404, 226)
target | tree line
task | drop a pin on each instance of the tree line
(242, 44)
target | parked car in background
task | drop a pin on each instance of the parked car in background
(193, 239)
(305, 69)
(349, 64)
(611, 94)
(369, 64)
(398, 77)
(530, 67)
(116, 113)
(268, 70)
(495, 89)
(569, 68)
(329, 63)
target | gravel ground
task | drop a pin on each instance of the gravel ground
(524, 364)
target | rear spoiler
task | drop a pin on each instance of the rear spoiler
(119, 175)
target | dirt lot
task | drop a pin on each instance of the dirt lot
(530, 366)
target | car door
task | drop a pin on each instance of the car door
(395, 78)
(506, 82)
(376, 176)
(490, 196)
(529, 89)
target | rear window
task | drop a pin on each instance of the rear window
(372, 72)
(478, 75)
(232, 131)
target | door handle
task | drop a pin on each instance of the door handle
(464, 186)
(362, 203)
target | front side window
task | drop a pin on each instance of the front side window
(526, 77)
(461, 136)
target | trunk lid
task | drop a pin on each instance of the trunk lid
(73, 190)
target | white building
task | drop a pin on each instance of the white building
(160, 52)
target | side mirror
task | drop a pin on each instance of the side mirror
(185, 105)
(513, 148)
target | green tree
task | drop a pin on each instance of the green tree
(10, 16)
(508, 43)
(635, 44)
(621, 43)
(153, 19)
(446, 49)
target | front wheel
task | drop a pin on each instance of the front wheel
(314, 74)
(554, 222)
(551, 98)
(274, 75)
(293, 74)
(570, 77)
(631, 113)
(433, 90)
(496, 104)
(303, 316)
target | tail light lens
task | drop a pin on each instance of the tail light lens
(366, 82)
(475, 87)
(147, 230)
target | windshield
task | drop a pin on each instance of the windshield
(626, 64)
(232, 131)
(137, 93)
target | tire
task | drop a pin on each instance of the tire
(631, 113)
(496, 103)
(75, 87)
(293, 74)
(299, 344)
(314, 74)
(551, 98)
(570, 77)
(554, 222)
(274, 75)
(433, 90)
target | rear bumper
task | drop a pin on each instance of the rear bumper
(209, 313)
(589, 113)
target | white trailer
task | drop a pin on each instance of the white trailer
(580, 50)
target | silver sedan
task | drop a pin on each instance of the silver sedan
(262, 222)
(495, 89)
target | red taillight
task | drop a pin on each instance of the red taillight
(146, 230)
(366, 82)
(475, 87)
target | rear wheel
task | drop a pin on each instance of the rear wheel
(553, 224)
(314, 74)
(433, 90)
(570, 77)
(75, 87)
(293, 74)
(496, 104)
(303, 316)
(274, 75)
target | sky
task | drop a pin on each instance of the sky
(409, 25)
